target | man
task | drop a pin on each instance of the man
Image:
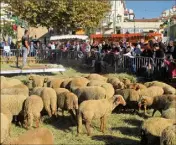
(26, 47)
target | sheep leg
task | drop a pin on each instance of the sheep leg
(101, 124)
(73, 118)
(145, 109)
(79, 128)
(48, 110)
(30, 120)
(88, 127)
(104, 124)
(153, 112)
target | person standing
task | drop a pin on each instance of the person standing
(26, 47)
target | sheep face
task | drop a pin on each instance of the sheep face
(37, 81)
(118, 99)
(142, 102)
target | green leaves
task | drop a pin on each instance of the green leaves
(62, 14)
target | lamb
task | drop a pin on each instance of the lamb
(151, 91)
(49, 98)
(131, 97)
(136, 86)
(38, 81)
(167, 88)
(117, 84)
(109, 89)
(41, 136)
(96, 77)
(168, 136)
(97, 109)
(33, 105)
(90, 93)
(20, 89)
(68, 101)
(5, 127)
(152, 128)
(169, 113)
(157, 103)
(14, 103)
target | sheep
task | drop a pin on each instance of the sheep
(20, 89)
(151, 91)
(117, 84)
(168, 136)
(49, 98)
(152, 128)
(157, 103)
(37, 91)
(38, 81)
(167, 88)
(6, 112)
(68, 101)
(65, 83)
(6, 83)
(109, 89)
(95, 83)
(33, 105)
(96, 77)
(97, 109)
(169, 113)
(5, 127)
(54, 82)
(41, 136)
(90, 93)
(77, 83)
(131, 97)
(136, 86)
(60, 90)
(13, 103)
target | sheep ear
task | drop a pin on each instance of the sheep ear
(31, 77)
(45, 79)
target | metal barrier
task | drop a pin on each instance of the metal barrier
(142, 66)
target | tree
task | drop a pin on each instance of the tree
(7, 30)
(61, 14)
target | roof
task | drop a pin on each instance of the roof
(146, 20)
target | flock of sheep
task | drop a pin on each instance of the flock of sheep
(86, 98)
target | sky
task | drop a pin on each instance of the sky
(149, 8)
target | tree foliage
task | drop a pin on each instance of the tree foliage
(7, 30)
(61, 14)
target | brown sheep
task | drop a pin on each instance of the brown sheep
(168, 136)
(152, 91)
(90, 93)
(5, 127)
(152, 128)
(97, 109)
(19, 89)
(49, 98)
(68, 101)
(157, 103)
(42, 136)
(33, 105)
(136, 86)
(117, 84)
(96, 77)
(169, 113)
(65, 83)
(167, 88)
(77, 83)
(38, 81)
(131, 97)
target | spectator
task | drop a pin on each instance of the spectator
(53, 47)
(159, 53)
(170, 49)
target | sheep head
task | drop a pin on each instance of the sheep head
(117, 100)
(144, 101)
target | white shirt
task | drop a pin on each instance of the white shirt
(53, 47)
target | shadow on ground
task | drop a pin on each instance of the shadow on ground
(115, 140)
